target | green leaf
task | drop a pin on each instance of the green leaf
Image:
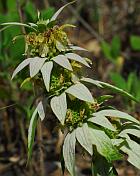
(83, 138)
(40, 110)
(130, 81)
(47, 14)
(25, 81)
(92, 81)
(117, 114)
(63, 61)
(69, 152)
(21, 66)
(81, 92)
(30, 10)
(31, 133)
(106, 48)
(35, 65)
(104, 145)
(133, 152)
(135, 42)
(102, 121)
(59, 107)
(101, 167)
(59, 11)
(46, 73)
(115, 46)
(77, 58)
(10, 24)
(118, 80)
(118, 90)
(104, 98)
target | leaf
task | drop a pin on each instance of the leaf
(118, 90)
(83, 138)
(81, 92)
(117, 114)
(10, 24)
(69, 152)
(92, 81)
(35, 65)
(66, 25)
(60, 46)
(77, 58)
(130, 81)
(59, 11)
(104, 145)
(118, 80)
(25, 81)
(46, 73)
(31, 133)
(116, 46)
(101, 167)
(32, 126)
(63, 61)
(106, 48)
(135, 42)
(135, 132)
(102, 121)
(21, 66)
(133, 152)
(104, 98)
(40, 110)
(59, 107)
(77, 48)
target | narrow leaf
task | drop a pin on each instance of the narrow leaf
(81, 92)
(21, 66)
(63, 61)
(35, 65)
(46, 73)
(77, 48)
(92, 81)
(10, 24)
(40, 110)
(135, 132)
(102, 121)
(118, 90)
(77, 58)
(31, 133)
(69, 152)
(59, 11)
(117, 114)
(59, 107)
(25, 81)
(83, 138)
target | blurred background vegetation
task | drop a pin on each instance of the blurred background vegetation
(110, 30)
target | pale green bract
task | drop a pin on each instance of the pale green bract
(59, 107)
(46, 73)
(81, 92)
(62, 61)
(69, 152)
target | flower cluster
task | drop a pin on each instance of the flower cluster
(48, 43)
